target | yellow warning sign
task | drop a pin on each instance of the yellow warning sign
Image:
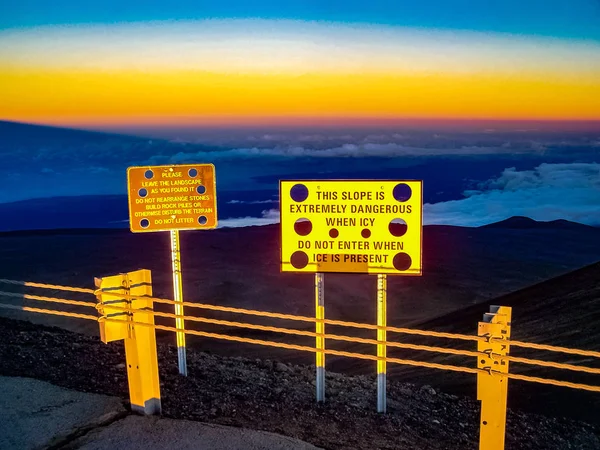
(165, 198)
(351, 226)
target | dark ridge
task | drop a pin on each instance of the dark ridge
(66, 231)
(42, 201)
(521, 222)
(34, 133)
(567, 282)
(125, 230)
(567, 224)
(562, 311)
(111, 231)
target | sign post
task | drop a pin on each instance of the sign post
(381, 338)
(173, 198)
(178, 297)
(320, 329)
(352, 226)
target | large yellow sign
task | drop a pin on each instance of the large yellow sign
(179, 197)
(351, 226)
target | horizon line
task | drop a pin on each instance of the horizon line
(242, 122)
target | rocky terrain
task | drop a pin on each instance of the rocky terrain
(273, 396)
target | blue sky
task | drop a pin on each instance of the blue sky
(559, 18)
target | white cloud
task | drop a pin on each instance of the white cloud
(256, 202)
(548, 192)
(349, 150)
(268, 217)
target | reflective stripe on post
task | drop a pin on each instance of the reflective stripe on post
(381, 338)
(178, 297)
(492, 388)
(320, 330)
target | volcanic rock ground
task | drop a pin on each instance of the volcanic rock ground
(466, 270)
(277, 397)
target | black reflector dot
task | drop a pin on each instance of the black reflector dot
(402, 261)
(299, 260)
(398, 227)
(402, 192)
(303, 227)
(299, 193)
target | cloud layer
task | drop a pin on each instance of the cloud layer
(383, 144)
(268, 217)
(549, 192)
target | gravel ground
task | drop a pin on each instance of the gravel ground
(272, 396)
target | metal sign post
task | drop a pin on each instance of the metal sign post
(352, 226)
(381, 338)
(320, 325)
(178, 297)
(173, 198)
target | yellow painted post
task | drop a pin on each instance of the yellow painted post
(320, 330)
(111, 307)
(140, 341)
(178, 297)
(492, 388)
(381, 337)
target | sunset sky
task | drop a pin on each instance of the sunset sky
(136, 64)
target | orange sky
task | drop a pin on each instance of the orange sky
(88, 85)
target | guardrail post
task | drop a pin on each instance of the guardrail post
(381, 337)
(136, 327)
(320, 329)
(492, 388)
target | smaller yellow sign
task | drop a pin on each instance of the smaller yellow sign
(165, 198)
(354, 226)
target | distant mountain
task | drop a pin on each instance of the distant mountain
(24, 134)
(522, 223)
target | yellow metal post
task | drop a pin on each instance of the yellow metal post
(178, 297)
(111, 307)
(381, 337)
(492, 387)
(320, 330)
(140, 340)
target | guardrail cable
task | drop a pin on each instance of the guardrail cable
(514, 359)
(48, 299)
(49, 311)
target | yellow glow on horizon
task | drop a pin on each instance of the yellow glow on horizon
(93, 97)
(247, 71)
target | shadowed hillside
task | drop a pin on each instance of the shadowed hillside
(564, 311)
